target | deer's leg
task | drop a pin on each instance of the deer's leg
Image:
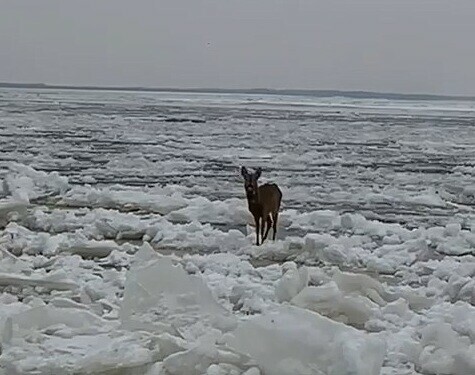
(275, 217)
(269, 224)
(263, 227)
(256, 219)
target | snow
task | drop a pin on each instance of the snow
(123, 254)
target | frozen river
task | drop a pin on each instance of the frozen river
(394, 161)
(126, 249)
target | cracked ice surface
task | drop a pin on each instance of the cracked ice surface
(130, 252)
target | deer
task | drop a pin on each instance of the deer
(263, 203)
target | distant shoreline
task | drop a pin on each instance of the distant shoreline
(258, 91)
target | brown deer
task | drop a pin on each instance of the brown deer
(263, 202)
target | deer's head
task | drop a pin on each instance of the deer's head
(250, 181)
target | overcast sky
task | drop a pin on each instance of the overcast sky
(424, 46)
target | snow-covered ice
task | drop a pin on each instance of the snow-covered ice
(131, 252)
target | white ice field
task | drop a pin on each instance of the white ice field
(126, 245)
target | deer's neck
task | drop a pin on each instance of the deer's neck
(253, 201)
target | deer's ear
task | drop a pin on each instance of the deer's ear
(244, 171)
(258, 172)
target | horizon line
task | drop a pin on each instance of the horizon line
(361, 94)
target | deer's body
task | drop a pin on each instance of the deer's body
(263, 203)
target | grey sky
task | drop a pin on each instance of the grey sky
(383, 45)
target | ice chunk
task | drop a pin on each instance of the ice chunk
(25, 183)
(338, 250)
(400, 307)
(364, 285)
(459, 245)
(45, 316)
(170, 344)
(12, 264)
(12, 210)
(197, 236)
(161, 296)
(98, 353)
(328, 300)
(429, 199)
(464, 320)
(252, 371)
(120, 198)
(201, 209)
(92, 249)
(22, 240)
(446, 352)
(292, 282)
(144, 255)
(155, 369)
(119, 357)
(199, 359)
(346, 221)
(464, 362)
(45, 282)
(317, 219)
(293, 341)
(193, 362)
(452, 229)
